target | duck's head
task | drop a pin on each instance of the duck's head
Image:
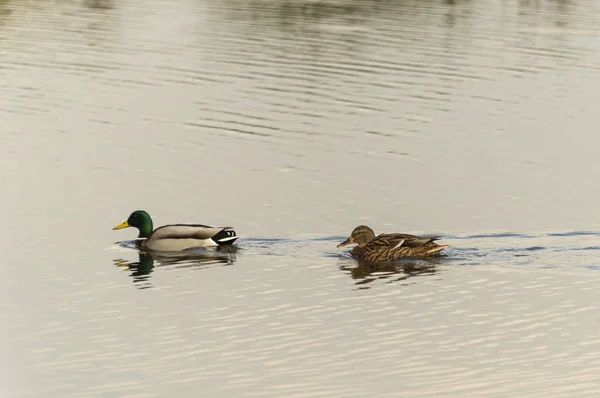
(361, 236)
(138, 219)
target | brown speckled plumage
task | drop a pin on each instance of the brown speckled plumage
(388, 247)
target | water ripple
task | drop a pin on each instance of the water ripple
(296, 121)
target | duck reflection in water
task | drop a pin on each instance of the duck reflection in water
(367, 272)
(142, 269)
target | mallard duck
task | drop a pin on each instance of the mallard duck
(176, 237)
(388, 247)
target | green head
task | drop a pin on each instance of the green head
(138, 219)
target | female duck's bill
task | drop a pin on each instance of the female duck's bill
(345, 243)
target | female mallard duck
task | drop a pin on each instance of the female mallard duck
(388, 247)
(176, 237)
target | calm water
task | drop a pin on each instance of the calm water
(295, 121)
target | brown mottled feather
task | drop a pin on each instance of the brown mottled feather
(387, 247)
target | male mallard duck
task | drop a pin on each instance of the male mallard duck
(388, 247)
(176, 237)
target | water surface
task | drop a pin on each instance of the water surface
(294, 122)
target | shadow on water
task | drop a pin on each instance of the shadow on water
(99, 4)
(366, 272)
(316, 18)
(141, 270)
(339, 15)
(289, 8)
(5, 10)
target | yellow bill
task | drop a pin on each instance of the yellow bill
(125, 224)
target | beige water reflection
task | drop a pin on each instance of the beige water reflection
(294, 122)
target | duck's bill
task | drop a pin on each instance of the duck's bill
(344, 243)
(125, 224)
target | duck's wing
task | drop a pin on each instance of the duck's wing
(195, 231)
(403, 240)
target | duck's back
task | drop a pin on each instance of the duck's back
(387, 247)
(178, 237)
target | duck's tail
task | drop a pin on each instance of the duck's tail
(225, 237)
(437, 249)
